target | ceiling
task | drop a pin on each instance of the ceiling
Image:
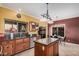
(57, 11)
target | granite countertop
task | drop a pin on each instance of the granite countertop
(46, 41)
(11, 39)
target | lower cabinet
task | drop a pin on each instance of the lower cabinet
(51, 49)
(1, 49)
(19, 45)
(22, 44)
(19, 48)
(14, 46)
(7, 49)
(26, 44)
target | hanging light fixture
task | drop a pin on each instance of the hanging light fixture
(47, 16)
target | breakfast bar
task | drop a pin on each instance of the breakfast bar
(47, 47)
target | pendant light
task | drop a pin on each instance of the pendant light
(47, 16)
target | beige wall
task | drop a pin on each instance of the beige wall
(11, 14)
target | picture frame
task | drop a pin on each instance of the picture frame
(33, 26)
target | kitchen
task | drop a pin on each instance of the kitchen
(21, 32)
(18, 31)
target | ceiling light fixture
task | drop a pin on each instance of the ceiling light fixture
(47, 16)
(19, 13)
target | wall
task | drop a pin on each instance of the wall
(11, 14)
(71, 29)
(57, 10)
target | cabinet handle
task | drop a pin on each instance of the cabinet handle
(12, 46)
(7, 47)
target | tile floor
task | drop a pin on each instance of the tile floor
(69, 49)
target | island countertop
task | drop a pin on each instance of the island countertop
(47, 41)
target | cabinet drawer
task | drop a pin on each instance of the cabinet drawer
(26, 45)
(8, 50)
(19, 41)
(19, 48)
(5, 43)
(11, 42)
(26, 40)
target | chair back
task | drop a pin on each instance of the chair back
(64, 38)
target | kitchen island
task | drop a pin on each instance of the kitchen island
(46, 47)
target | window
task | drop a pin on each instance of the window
(58, 31)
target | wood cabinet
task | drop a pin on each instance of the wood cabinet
(1, 50)
(53, 49)
(43, 50)
(50, 51)
(19, 48)
(56, 51)
(22, 44)
(19, 41)
(38, 50)
(19, 45)
(26, 43)
(11, 47)
(46, 48)
(8, 48)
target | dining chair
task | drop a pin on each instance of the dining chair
(62, 40)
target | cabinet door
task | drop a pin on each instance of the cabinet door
(10, 49)
(1, 50)
(19, 41)
(56, 49)
(19, 45)
(7, 49)
(13, 46)
(50, 51)
(40, 50)
(19, 48)
(26, 43)
(26, 40)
